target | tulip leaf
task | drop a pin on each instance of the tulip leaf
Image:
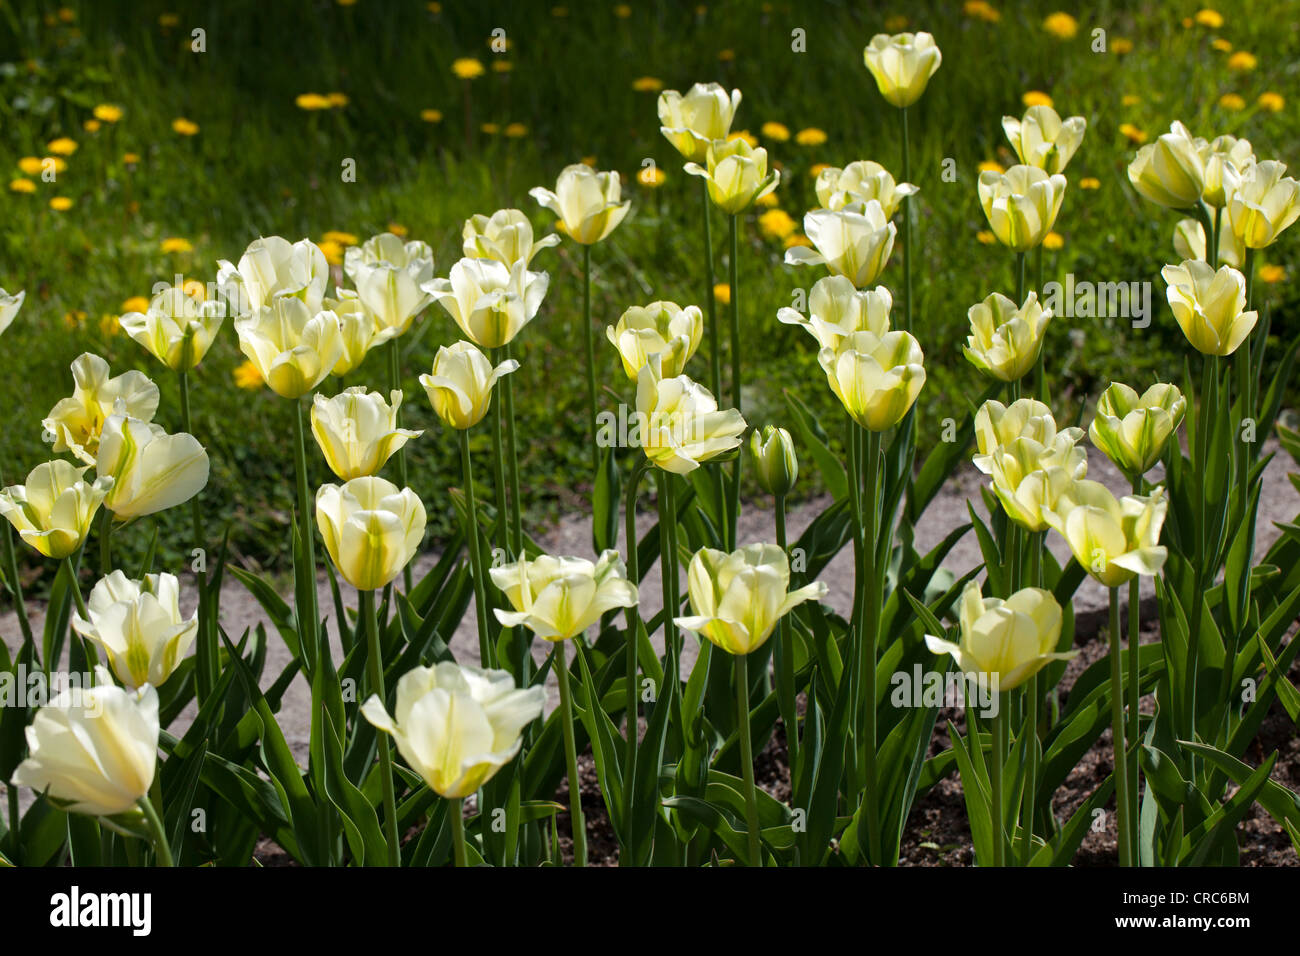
(815, 440)
(975, 790)
(604, 502)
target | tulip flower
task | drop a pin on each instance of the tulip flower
(138, 626)
(1133, 429)
(877, 378)
(1226, 159)
(854, 242)
(1189, 243)
(93, 750)
(679, 423)
(370, 528)
(738, 598)
(586, 201)
(178, 328)
(1043, 139)
(358, 330)
(1006, 641)
(1171, 171)
(292, 348)
(151, 470)
(902, 65)
(54, 509)
(1028, 476)
(837, 309)
(457, 725)
(774, 459)
(736, 174)
(998, 425)
(390, 276)
(662, 328)
(1264, 203)
(357, 431)
(490, 301)
(1004, 340)
(273, 268)
(695, 121)
(559, 598)
(506, 236)
(861, 182)
(9, 306)
(1113, 539)
(1021, 204)
(76, 422)
(1209, 306)
(460, 387)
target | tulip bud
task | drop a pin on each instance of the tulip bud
(694, 121)
(1171, 171)
(76, 422)
(1133, 430)
(1043, 139)
(93, 750)
(370, 528)
(1209, 306)
(586, 201)
(460, 387)
(902, 65)
(1008, 641)
(151, 470)
(854, 242)
(9, 306)
(390, 276)
(861, 182)
(559, 598)
(739, 598)
(998, 425)
(837, 309)
(1021, 204)
(54, 509)
(273, 268)
(679, 425)
(178, 329)
(357, 431)
(457, 725)
(358, 331)
(1113, 540)
(506, 236)
(877, 378)
(489, 301)
(774, 459)
(138, 627)
(661, 328)
(1004, 341)
(737, 174)
(1265, 203)
(292, 348)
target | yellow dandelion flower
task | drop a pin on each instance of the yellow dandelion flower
(491, 129)
(168, 20)
(777, 132)
(1272, 274)
(1209, 18)
(1130, 99)
(467, 68)
(63, 146)
(333, 251)
(91, 126)
(431, 116)
(1232, 101)
(175, 244)
(1036, 98)
(896, 23)
(337, 100)
(502, 66)
(397, 229)
(985, 238)
(1053, 241)
(981, 10)
(768, 201)
(60, 203)
(1273, 102)
(1089, 182)
(647, 84)
(1061, 25)
(651, 176)
(31, 165)
(722, 293)
(746, 135)
(776, 224)
(184, 126)
(1221, 44)
(726, 56)
(817, 168)
(136, 303)
(194, 289)
(107, 113)
(588, 161)
(311, 102)
(516, 130)
(812, 136)
(247, 376)
(131, 159)
(1132, 133)
(990, 166)
(342, 238)
(1121, 45)
(74, 318)
(1242, 62)
(67, 15)
(109, 325)
(22, 185)
(798, 239)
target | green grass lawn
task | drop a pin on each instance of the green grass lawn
(260, 164)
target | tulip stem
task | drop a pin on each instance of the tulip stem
(715, 355)
(475, 552)
(576, 821)
(668, 569)
(305, 606)
(870, 635)
(733, 500)
(591, 359)
(783, 661)
(747, 760)
(207, 652)
(156, 831)
(1213, 253)
(502, 526)
(907, 226)
(75, 587)
(456, 812)
(395, 385)
(516, 505)
(997, 754)
(1040, 378)
(375, 668)
(1122, 795)
(15, 583)
(633, 634)
(1030, 730)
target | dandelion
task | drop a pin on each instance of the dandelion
(31, 165)
(1273, 102)
(431, 116)
(516, 130)
(776, 224)
(60, 203)
(109, 325)
(726, 56)
(895, 23)
(311, 102)
(767, 201)
(981, 10)
(798, 239)
(985, 238)
(647, 84)
(1089, 182)
(131, 159)
(63, 146)
(334, 252)
(342, 238)
(588, 161)
(1242, 62)
(397, 229)
(746, 135)
(194, 289)
(21, 185)
(777, 132)
(1036, 98)
(1132, 133)
(1053, 241)
(1130, 99)
(1221, 44)
(1272, 274)
(1232, 101)
(107, 113)
(812, 136)
(651, 176)
(467, 68)
(1209, 18)
(91, 126)
(137, 303)
(502, 66)
(184, 126)
(1061, 25)
(175, 244)
(247, 376)
(817, 169)
(1121, 45)
(168, 20)
(491, 129)
(722, 293)
(991, 166)
(74, 318)
(337, 100)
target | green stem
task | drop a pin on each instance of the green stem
(668, 568)
(871, 609)
(207, 651)
(516, 500)
(783, 661)
(591, 359)
(456, 811)
(632, 620)
(76, 588)
(998, 750)
(157, 831)
(747, 760)
(375, 669)
(1030, 730)
(395, 384)
(907, 226)
(733, 497)
(15, 583)
(578, 824)
(1040, 372)
(854, 444)
(1122, 795)
(1213, 252)
(715, 354)
(475, 554)
(502, 525)
(306, 605)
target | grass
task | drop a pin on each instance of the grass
(260, 165)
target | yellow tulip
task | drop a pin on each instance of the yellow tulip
(54, 509)
(736, 173)
(1021, 204)
(854, 242)
(93, 750)
(1226, 160)
(1005, 642)
(390, 275)
(460, 387)
(998, 425)
(1209, 306)
(491, 302)
(1043, 139)
(76, 422)
(138, 626)
(860, 182)
(1028, 476)
(662, 328)
(1004, 340)
(272, 268)
(9, 306)
(877, 378)
(506, 236)
(837, 309)
(177, 328)
(902, 65)
(1189, 243)
(694, 121)
(775, 463)
(358, 331)
(1113, 540)
(1133, 429)
(151, 470)
(559, 598)
(457, 725)
(1171, 171)
(371, 529)
(739, 598)
(679, 425)
(1265, 203)
(587, 202)
(357, 431)
(292, 347)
